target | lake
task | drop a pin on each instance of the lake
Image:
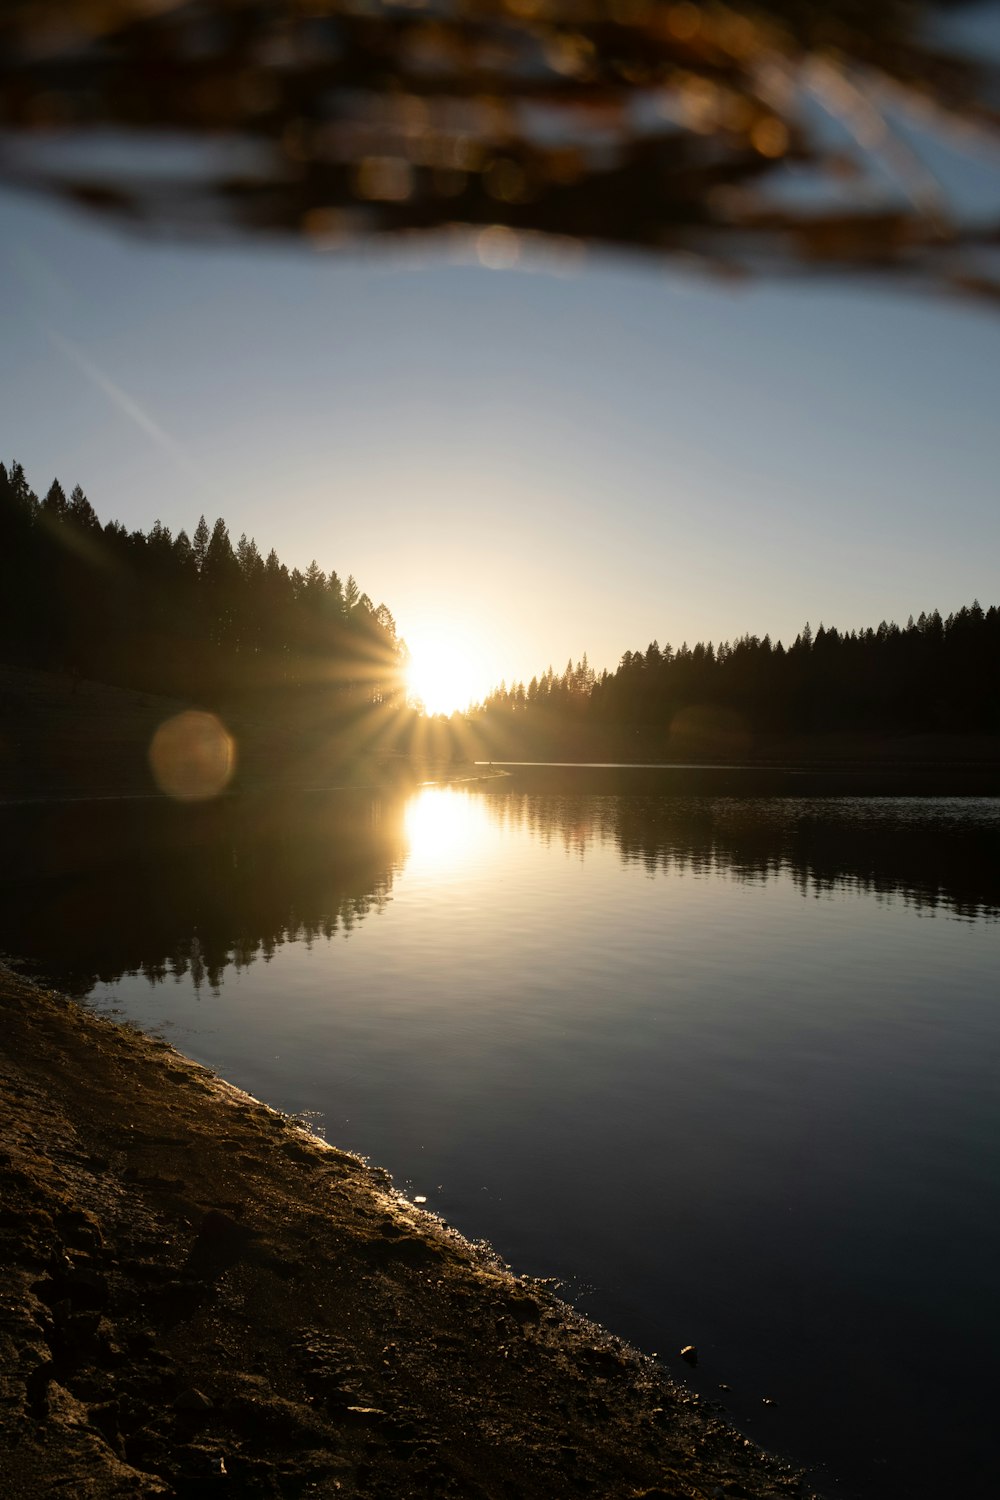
(727, 1067)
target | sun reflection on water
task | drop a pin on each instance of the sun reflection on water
(446, 830)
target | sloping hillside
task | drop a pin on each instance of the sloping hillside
(65, 735)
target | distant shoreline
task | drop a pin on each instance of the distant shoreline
(757, 779)
(68, 739)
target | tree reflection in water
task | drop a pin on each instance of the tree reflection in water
(929, 851)
(93, 891)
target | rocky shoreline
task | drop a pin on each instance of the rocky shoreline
(199, 1298)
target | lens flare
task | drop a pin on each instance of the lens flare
(192, 756)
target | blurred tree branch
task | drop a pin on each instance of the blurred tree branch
(778, 137)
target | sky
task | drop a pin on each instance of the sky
(523, 464)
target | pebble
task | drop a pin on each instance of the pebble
(192, 1400)
(690, 1353)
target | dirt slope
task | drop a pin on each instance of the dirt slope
(201, 1299)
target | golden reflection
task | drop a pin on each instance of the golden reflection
(192, 756)
(444, 828)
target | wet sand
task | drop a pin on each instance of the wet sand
(199, 1298)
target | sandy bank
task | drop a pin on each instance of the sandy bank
(201, 1299)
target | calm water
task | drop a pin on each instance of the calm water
(726, 1067)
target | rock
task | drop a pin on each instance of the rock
(221, 1240)
(88, 1288)
(524, 1310)
(79, 1229)
(366, 1413)
(690, 1353)
(219, 1226)
(296, 1151)
(192, 1400)
(36, 1387)
(105, 1417)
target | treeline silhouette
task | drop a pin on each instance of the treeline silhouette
(192, 617)
(932, 676)
(203, 620)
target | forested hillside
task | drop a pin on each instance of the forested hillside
(933, 676)
(195, 618)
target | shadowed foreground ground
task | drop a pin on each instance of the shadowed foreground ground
(201, 1299)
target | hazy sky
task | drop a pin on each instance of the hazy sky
(535, 463)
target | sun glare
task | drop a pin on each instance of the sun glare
(445, 829)
(442, 673)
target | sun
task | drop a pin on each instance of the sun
(442, 672)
